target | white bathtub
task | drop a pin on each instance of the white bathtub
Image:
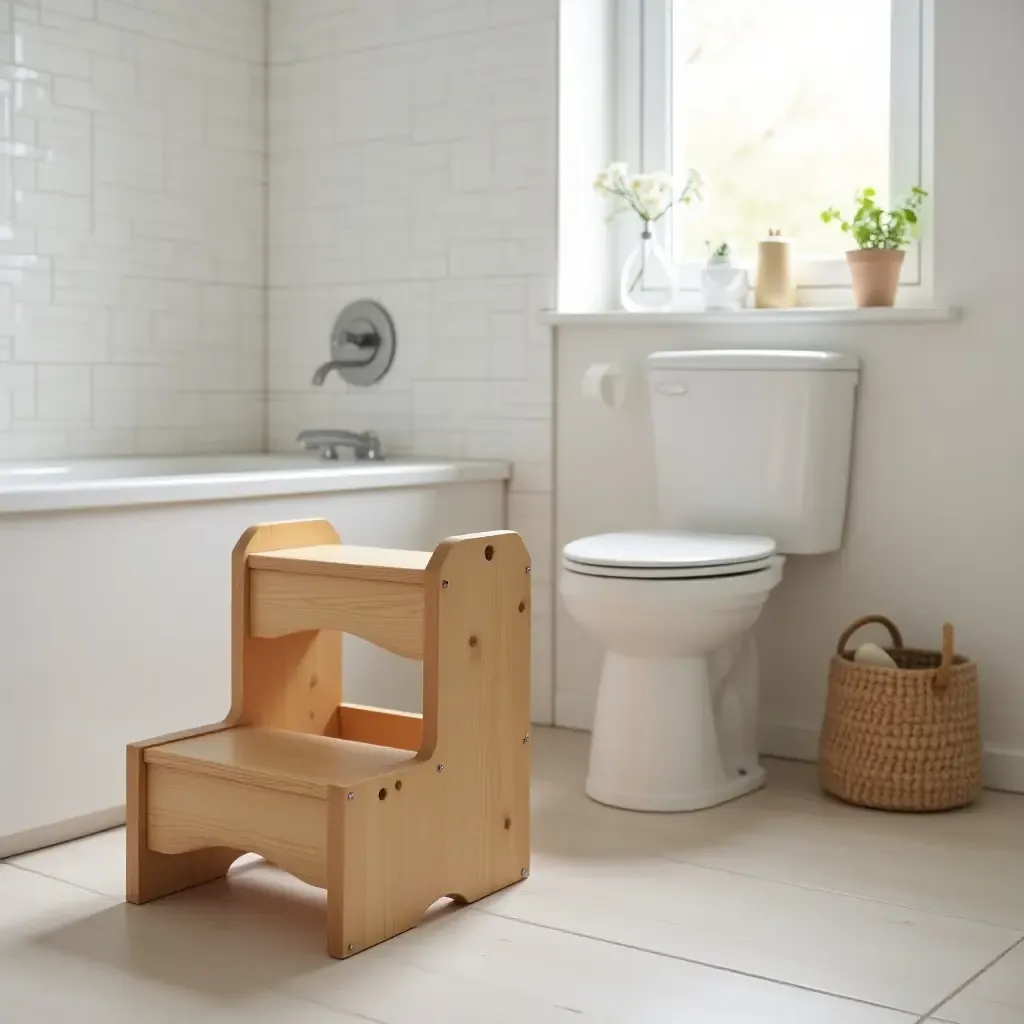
(114, 604)
(104, 483)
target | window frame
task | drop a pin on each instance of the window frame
(645, 130)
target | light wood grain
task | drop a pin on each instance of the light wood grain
(306, 781)
(150, 875)
(278, 759)
(386, 565)
(181, 734)
(483, 708)
(188, 812)
(293, 682)
(462, 831)
(398, 729)
(389, 615)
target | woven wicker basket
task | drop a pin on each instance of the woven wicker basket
(904, 738)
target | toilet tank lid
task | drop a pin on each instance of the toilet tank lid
(752, 359)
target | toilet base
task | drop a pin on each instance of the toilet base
(676, 733)
(667, 803)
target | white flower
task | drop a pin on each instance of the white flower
(653, 193)
(656, 204)
(612, 179)
(648, 195)
(694, 183)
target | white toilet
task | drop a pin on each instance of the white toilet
(752, 456)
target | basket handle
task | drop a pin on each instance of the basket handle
(894, 633)
(946, 664)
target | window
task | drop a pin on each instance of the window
(785, 107)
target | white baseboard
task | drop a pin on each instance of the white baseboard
(790, 740)
(574, 710)
(61, 832)
(1003, 768)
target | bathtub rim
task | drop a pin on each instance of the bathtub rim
(58, 493)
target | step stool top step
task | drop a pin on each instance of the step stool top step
(278, 759)
(392, 565)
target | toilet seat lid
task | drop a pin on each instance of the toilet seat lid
(669, 550)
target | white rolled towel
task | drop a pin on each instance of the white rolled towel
(872, 654)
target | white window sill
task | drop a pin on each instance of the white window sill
(809, 315)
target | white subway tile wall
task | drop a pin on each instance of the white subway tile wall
(412, 160)
(132, 226)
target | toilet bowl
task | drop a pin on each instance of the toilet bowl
(676, 719)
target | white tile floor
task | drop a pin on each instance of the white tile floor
(783, 907)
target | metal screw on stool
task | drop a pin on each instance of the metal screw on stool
(351, 946)
(440, 767)
(529, 569)
(444, 584)
(351, 796)
(524, 873)
(526, 738)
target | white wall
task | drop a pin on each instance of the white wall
(412, 160)
(132, 188)
(937, 500)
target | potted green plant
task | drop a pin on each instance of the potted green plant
(880, 235)
(719, 255)
(722, 285)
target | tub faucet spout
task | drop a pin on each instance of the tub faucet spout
(366, 446)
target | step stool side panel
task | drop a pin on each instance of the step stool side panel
(477, 675)
(456, 823)
(289, 682)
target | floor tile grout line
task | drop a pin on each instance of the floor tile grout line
(1019, 931)
(63, 881)
(667, 860)
(840, 892)
(344, 1013)
(970, 981)
(927, 1016)
(121, 898)
(700, 963)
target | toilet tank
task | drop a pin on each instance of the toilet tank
(754, 442)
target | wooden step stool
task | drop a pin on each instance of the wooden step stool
(387, 811)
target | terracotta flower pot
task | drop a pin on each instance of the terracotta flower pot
(876, 275)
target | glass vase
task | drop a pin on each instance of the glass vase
(648, 283)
